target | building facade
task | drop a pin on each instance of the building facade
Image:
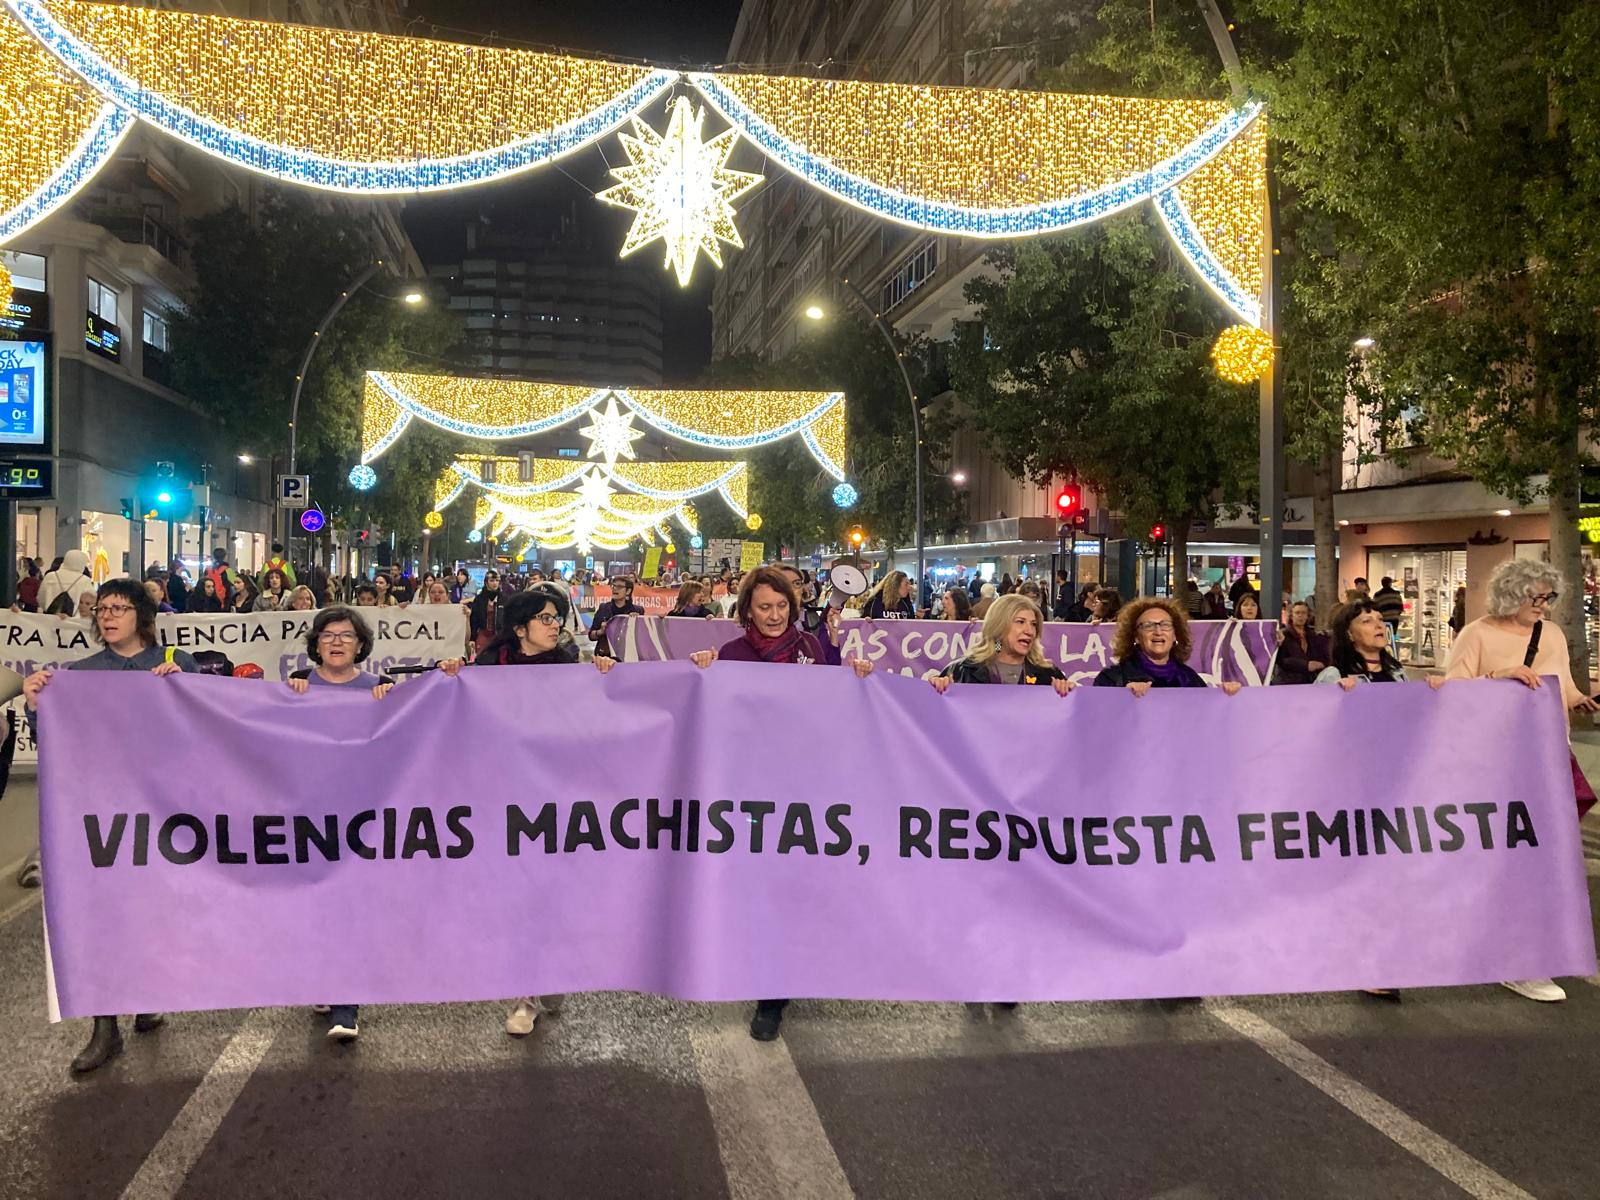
(97, 285)
(555, 308)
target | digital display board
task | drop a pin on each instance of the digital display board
(27, 479)
(23, 400)
(28, 312)
(101, 336)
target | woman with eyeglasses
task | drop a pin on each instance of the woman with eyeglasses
(338, 643)
(531, 635)
(1516, 639)
(125, 627)
(1151, 649)
(620, 605)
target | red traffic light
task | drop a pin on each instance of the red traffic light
(1069, 500)
(1157, 532)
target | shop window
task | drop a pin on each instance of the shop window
(102, 301)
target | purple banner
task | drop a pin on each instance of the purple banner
(1223, 651)
(747, 831)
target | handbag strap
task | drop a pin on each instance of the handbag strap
(1533, 644)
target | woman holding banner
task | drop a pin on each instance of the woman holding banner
(338, 643)
(1151, 647)
(691, 601)
(531, 635)
(620, 605)
(1516, 640)
(1007, 650)
(125, 626)
(768, 610)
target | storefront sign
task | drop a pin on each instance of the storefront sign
(28, 313)
(101, 336)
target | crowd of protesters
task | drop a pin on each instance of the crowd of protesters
(787, 616)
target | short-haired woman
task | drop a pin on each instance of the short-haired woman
(768, 610)
(338, 643)
(302, 599)
(1302, 651)
(987, 595)
(1007, 650)
(125, 627)
(1247, 607)
(691, 601)
(530, 635)
(1516, 640)
(1151, 649)
(620, 605)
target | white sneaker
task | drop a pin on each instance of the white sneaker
(343, 1033)
(520, 1021)
(1547, 990)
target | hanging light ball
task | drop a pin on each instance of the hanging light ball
(753, 522)
(474, 536)
(1242, 353)
(696, 542)
(434, 520)
(845, 495)
(671, 549)
(363, 478)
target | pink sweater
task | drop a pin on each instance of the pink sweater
(1486, 646)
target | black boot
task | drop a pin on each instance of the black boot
(147, 1022)
(769, 1017)
(104, 1045)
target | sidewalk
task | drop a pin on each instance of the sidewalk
(19, 834)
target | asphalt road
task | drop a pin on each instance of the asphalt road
(1455, 1092)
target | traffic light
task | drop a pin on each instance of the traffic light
(858, 535)
(1069, 500)
(1158, 533)
(127, 508)
(363, 537)
(169, 503)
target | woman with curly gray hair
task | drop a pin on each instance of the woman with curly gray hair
(1515, 640)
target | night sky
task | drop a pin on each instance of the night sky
(687, 33)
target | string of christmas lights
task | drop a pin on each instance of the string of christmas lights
(668, 481)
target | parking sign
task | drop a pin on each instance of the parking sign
(294, 491)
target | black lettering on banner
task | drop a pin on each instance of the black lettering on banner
(1420, 824)
(758, 811)
(799, 830)
(456, 822)
(226, 854)
(1249, 834)
(717, 817)
(390, 832)
(619, 831)
(1021, 835)
(1095, 839)
(833, 817)
(1285, 833)
(1196, 842)
(352, 834)
(1122, 830)
(1483, 811)
(141, 840)
(953, 832)
(992, 845)
(1443, 817)
(1158, 826)
(1385, 831)
(518, 826)
(269, 834)
(422, 835)
(656, 822)
(168, 847)
(1334, 833)
(692, 834)
(307, 835)
(583, 828)
(915, 825)
(103, 847)
(1361, 831)
(1519, 826)
(1068, 854)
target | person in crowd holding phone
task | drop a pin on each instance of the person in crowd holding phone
(768, 610)
(125, 627)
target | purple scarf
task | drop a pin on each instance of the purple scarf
(1167, 672)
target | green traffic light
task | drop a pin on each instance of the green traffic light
(164, 497)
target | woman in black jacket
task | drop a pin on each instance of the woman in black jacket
(1007, 650)
(1151, 645)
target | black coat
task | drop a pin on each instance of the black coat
(1132, 670)
(967, 671)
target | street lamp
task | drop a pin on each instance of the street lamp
(412, 297)
(816, 312)
(245, 460)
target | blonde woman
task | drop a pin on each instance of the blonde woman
(1007, 650)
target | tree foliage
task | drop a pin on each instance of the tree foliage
(263, 285)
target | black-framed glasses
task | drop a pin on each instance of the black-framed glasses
(1544, 598)
(547, 619)
(112, 610)
(1155, 626)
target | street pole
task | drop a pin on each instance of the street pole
(916, 415)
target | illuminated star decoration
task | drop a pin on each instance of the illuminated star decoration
(611, 433)
(681, 188)
(595, 491)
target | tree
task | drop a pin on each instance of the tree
(1457, 145)
(1090, 358)
(262, 287)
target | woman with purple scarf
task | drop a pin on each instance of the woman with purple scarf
(1151, 645)
(768, 610)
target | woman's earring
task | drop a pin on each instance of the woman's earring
(997, 645)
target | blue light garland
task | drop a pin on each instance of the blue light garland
(313, 170)
(940, 217)
(472, 428)
(1181, 227)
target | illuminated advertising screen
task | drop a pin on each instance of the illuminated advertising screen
(23, 400)
(27, 479)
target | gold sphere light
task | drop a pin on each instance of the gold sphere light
(1242, 353)
(433, 520)
(753, 521)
